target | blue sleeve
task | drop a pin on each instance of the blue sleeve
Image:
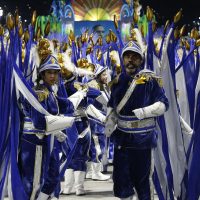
(93, 93)
(65, 105)
(38, 118)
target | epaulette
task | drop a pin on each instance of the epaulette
(159, 80)
(42, 92)
(78, 86)
(148, 75)
(113, 82)
(94, 84)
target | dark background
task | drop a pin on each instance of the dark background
(164, 9)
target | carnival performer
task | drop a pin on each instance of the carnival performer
(137, 98)
(98, 139)
(75, 172)
(38, 159)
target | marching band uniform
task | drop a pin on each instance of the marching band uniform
(98, 139)
(36, 153)
(75, 173)
(135, 102)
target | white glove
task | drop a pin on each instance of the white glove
(57, 123)
(153, 110)
(95, 113)
(103, 99)
(61, 137)
(186, 129)
(77, 97)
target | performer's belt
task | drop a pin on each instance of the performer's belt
(131, 124)
(30, 129)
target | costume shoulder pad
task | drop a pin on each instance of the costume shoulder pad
(94, 84)
(148, 75)
(78, 85)
(42, 92)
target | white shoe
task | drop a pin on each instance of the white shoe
(69, 182)
(42, 196)
(88, 175)
(97, 175)
(89, 170)
(79, 182)
(80, 192)
(100, 177)
(67, 191)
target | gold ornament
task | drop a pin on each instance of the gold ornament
(1, 30)
(154, 27)
(135, 17)
(9, 22)
(47, 28)
(89, 50)
(26, 36)
(197, 43)
(34, 16)
(187, 45)
(142, 30)
(166, 25)
(108, 39)
(78, 86)
(183, 31)
(116, 22)
(20, 30)
(149, 14)
(99, 41)
(16, 17)
(44, 48)
(91, 67)
(178, 16)
(176, 33)
(113, 37)
(194, 33)
(71, 35)
(118, 69)
(64, 47)
(99, 54)
(38, 33)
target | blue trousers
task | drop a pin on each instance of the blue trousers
(131, 170)
(38, 168)
(97, 147)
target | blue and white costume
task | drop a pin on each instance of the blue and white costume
(75, 173)
(38, 157)
(98, 139)
(135, 102)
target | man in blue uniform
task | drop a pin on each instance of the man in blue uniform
(136, 99)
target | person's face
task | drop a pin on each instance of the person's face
(100, 30)
(103, 78)
(132, 61)
(50, 76)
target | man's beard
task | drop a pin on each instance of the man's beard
(131, 69)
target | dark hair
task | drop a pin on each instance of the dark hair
(40, 77)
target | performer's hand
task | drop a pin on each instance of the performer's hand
(139, 113)
(61, 137)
